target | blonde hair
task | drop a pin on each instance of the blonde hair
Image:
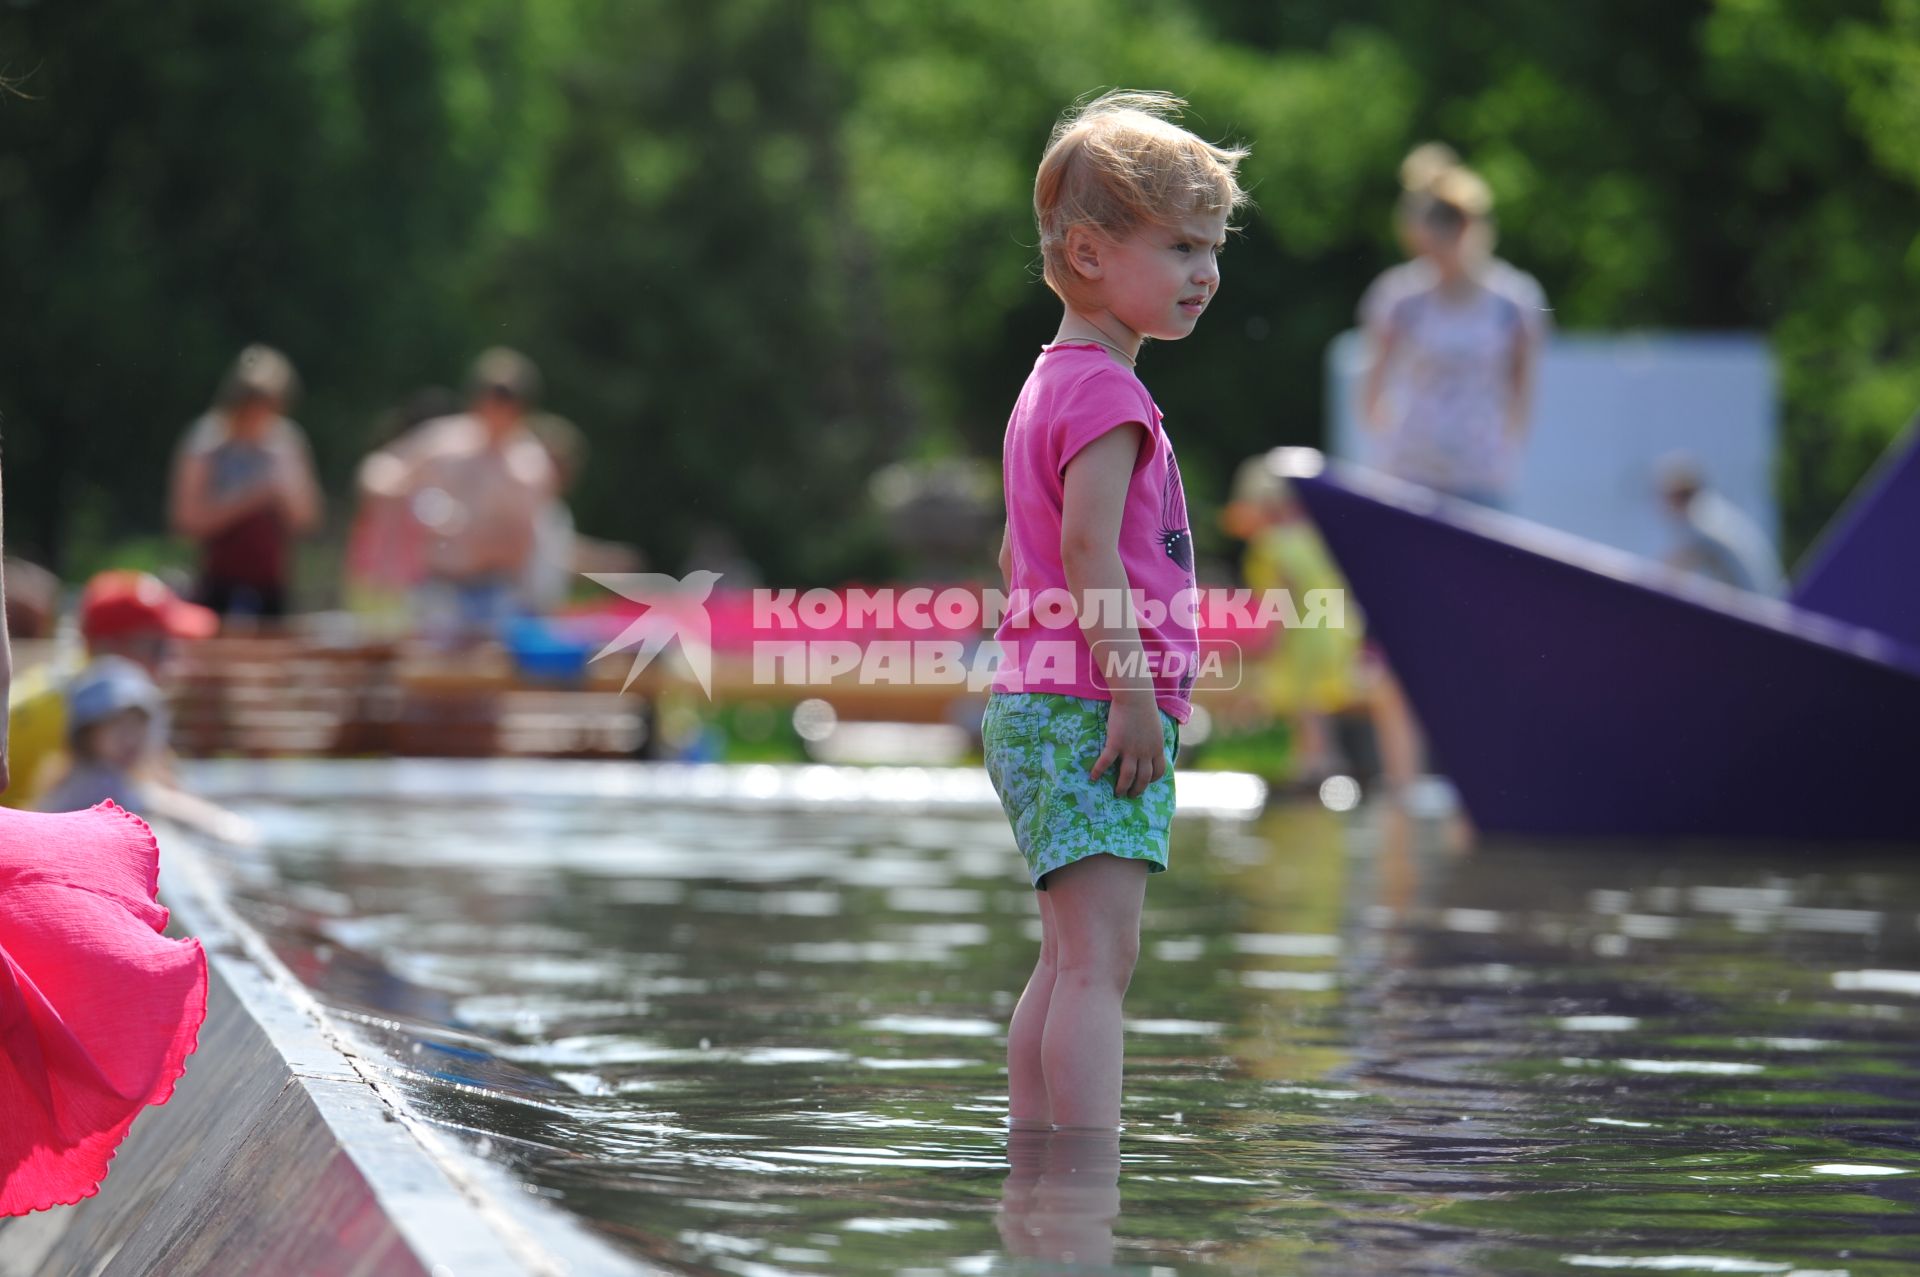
(1426, 162)
(1462, 189)
(1432, 174)
(1442, 196)
(1119, 163)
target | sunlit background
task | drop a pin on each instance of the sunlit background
(736, 1000)
(762, 249)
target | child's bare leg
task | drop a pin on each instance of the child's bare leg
(1027, 1105)
(1315, 759)
(1397, 732)
(1096, 915)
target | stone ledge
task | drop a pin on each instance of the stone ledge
(284, 1150)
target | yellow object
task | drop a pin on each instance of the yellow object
(36, 731)
(1309, 669)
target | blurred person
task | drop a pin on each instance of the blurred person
(476, 483)
(560, 552)
(36, 728)
(385, 557)
(114, 752)
(123, 613)
(243, 488)
(1453, 337)
(33, 600)
(1715, 538)
(1310, 673)
(111, 708)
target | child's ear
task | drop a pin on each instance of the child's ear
(1083, 252)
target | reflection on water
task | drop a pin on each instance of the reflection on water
(1061, 1198)
(765, 1041)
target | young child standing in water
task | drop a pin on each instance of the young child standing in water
(1082, 725)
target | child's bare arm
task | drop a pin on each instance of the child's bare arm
(1380, 348)
(1520, 371)
(391, 471)
(1092, 504)
(195, 511)
(197, 814)
(298, 490)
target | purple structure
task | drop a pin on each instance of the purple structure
(1569, 689)
(1866, 567)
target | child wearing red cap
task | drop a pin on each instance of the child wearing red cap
(123, 613)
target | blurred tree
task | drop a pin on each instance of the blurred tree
(177, 181)
(702, 295)
(763, 247)
(139, 234)
(1833, 174)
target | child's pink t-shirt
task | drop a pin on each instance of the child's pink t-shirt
(1075, 394)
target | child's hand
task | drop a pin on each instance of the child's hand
(1135, 743)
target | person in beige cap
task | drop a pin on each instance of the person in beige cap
(1308, 674)
(243, 488)
(476, 483)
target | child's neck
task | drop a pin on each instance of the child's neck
(1458, 278)
(1100, 327)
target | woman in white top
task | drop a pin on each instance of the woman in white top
(1454, 336)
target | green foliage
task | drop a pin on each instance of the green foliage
(762, 248)
(180, 180)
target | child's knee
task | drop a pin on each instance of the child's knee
(1103, 960)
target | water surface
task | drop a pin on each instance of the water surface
(766, 1039)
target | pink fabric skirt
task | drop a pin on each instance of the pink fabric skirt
(98, 1010)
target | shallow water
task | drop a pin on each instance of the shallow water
(764, 1041)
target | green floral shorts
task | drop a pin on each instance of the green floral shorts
(1039, 746)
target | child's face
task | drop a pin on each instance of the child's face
(1445, 246)
(150, 649)
(1457, 248)
(1159, 279)
(1412, 236)
(498, 409)
(250, 418)
(117, 742)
